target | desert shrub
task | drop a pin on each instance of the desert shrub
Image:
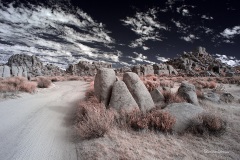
(14, 84)
(208, 124)
(27, 86)
(93, 120)
(167, 84)
(160, 120)
(43, 82)
(170, 97)
(74, 78)
(90, 91)
(151, 85)
(57, 78)
(200, 94)
(156, 120)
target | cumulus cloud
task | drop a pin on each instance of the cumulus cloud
(146, 26)
(232, 61)
(230, 33)
(54, 32)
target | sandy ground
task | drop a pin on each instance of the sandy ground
(36, 127)
(126, 145)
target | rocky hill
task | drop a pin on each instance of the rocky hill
(200, 63)
(28, 66)
(196, 63)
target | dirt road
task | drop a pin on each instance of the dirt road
(37, 127)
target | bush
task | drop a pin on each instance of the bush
(93, 120)
(172, 97)
(43, 82)
(153, 120)
(208, 124)
(14, 84)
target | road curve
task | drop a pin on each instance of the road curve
(36, 127)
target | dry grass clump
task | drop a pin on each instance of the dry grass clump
(90, 91)
(208, 124)
(151, 82)
(93, 120)
(156, 120)
(57, 78)
(43, 82)
(14, 84)
(200, 94)
(74, 78)
(172, 97)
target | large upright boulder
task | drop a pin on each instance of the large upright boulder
(121, 98)
(138, 91)
(103, 84)
(157, 97)
(188, 92)
(5, 71)
(184, 114)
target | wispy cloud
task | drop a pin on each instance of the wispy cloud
(146, 26)
(139, 57)
(53, 32)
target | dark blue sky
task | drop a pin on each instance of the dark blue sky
(130, 31)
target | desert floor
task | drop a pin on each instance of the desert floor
(37, 126)
(40, 126)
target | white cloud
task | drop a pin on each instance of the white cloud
(139, 57)
(54, 33)
(185, 12)
(162, 59)
(232, 61)
(206, 17)
(145, 48)
(146, 26)
(231, 32)
(189, 38)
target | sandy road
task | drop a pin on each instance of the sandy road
(36, 127)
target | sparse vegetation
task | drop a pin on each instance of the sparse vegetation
(93, 120)
(43, 82)
(208, 124)
(172, 97)
(15, 84)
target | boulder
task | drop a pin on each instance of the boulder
(188, 92)
(121, 98)
(103, 84)
(211, 96)
(5, 71)
(172, 70)
(138, 91)
(227, 97)
(161, 72)
(184, 114)
(157, 97)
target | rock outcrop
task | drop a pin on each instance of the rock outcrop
(138, 91)
(184, 114)
(103, 84)
(5, 71)
(121, 98)
(188, 92)
(31, 66)
(84, 68)
(200, 63)
(157, 97)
